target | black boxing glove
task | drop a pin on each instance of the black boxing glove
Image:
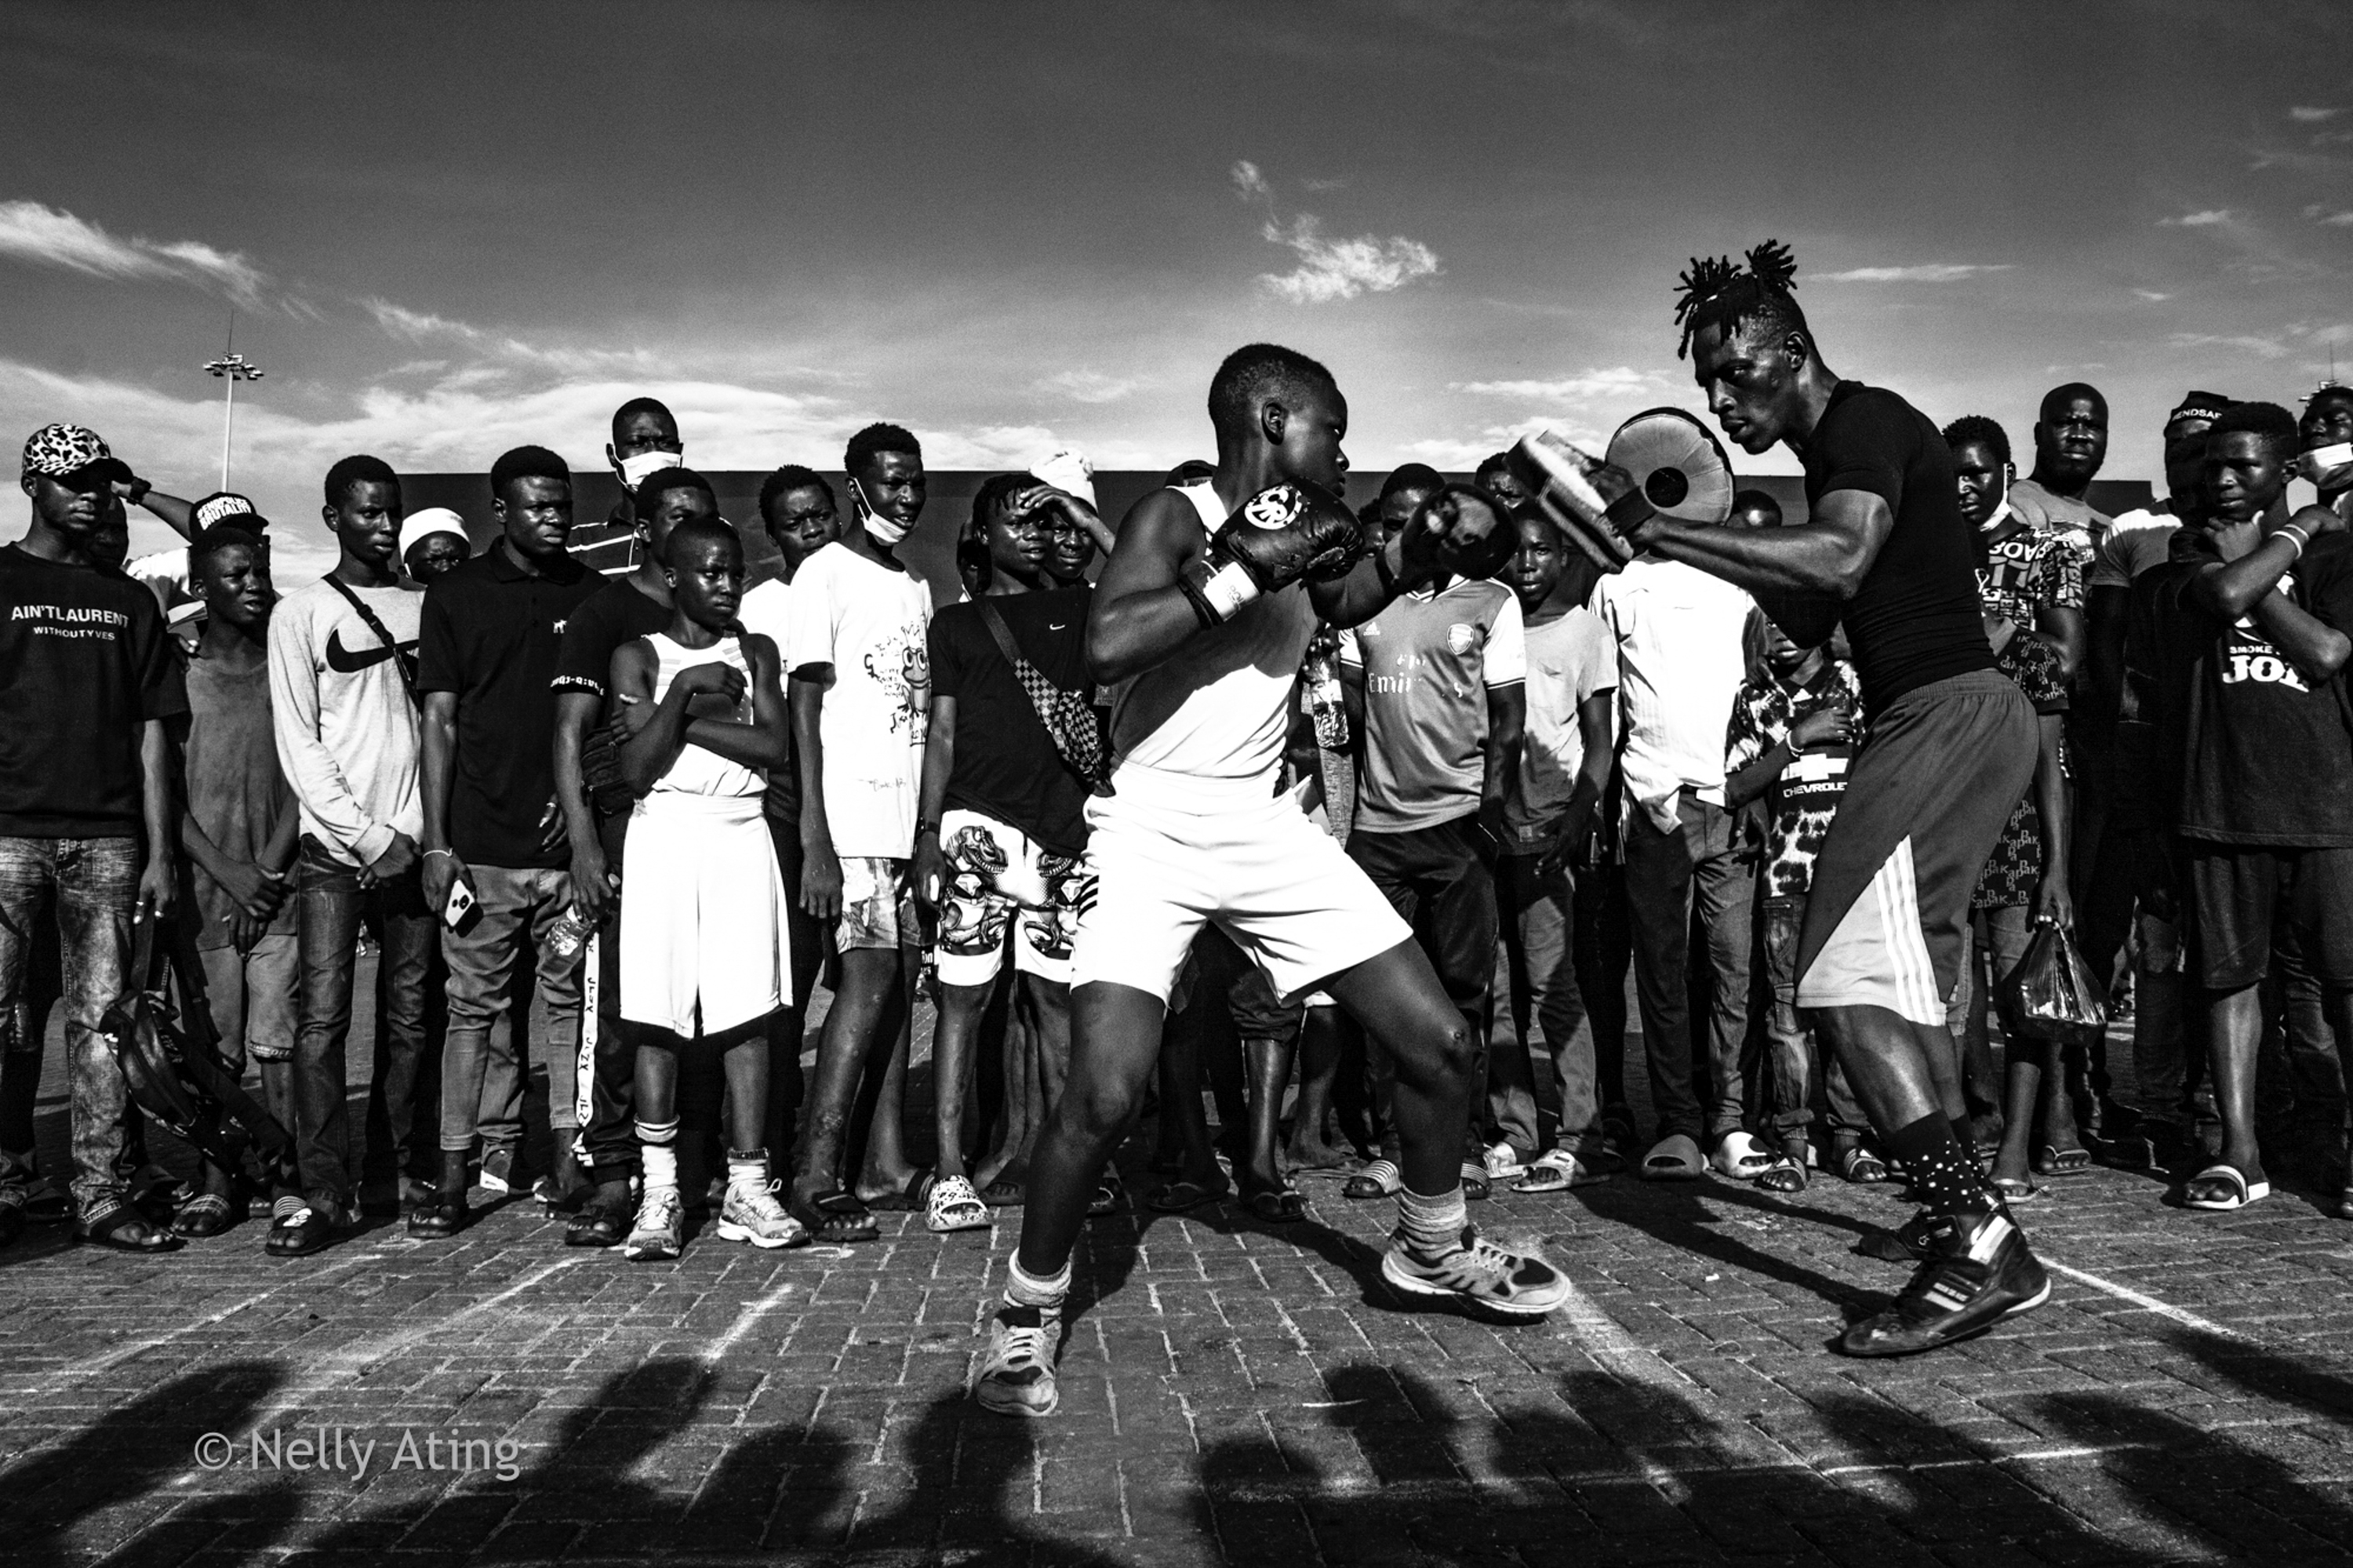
(1279, 536)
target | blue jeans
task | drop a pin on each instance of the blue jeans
(95, 885)
(1540, 980)
(330, 904)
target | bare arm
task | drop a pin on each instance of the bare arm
(438, 733)
(575, 715)
(821, 867)
(1593, 770)
(2063, 630)
(1800, 574)
(156, 881)
(647, 755)
(1141, 617)
(1507, 717)
(2315, 647)
(2052, 900)
(939, 767)
(2233, 589)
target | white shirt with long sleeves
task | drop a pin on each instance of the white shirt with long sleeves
(1679, 662)
(345, 725)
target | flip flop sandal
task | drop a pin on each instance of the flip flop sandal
(909, 1199)
(1279, 1206)
(1862, 1167)
(1175, 1197)
(1475, 1186)
(1674, 1158)
(1784, 1175)
(953, 1205)
(1557, 1170)
(1110, 1197)
(1004, 1193)
(205, 1214)
(46, 1204)
(2054, 1161)
(2219, 1188)
(2013, 1190)
(836, 1218)
(1379, 1180)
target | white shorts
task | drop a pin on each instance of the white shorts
(702, 914)
(1171, 851)
(1000, 882)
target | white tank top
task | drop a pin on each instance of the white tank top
(698, 771)
(1221, 707)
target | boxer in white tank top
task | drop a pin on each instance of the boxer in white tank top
(1200, 622)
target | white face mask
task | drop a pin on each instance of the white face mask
(884, 531)
(2328, 467)
(633, 470)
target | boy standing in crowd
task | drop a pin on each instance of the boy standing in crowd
(1565, 758)
(596, 802)
(861, 692)
(1442, 671)
(238, 831)
(490, 631)
(2255, 615)
(1790, 741)
(1000, 827)
(88, 684)
(343, 707)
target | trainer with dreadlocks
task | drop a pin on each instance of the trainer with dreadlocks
(1949, 746)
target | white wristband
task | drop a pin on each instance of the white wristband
(1228, 589)
(2295, 534)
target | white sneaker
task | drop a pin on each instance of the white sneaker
(661, 1228)
(1502, 1163)
(750, 1212)
(1520, 1285)
(1017, 1371)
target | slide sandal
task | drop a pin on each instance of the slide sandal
(2054, 1161)
(1674, 1158)
(1277, 1205)
(1557, 1170)
(2219, 1188)
(1180, 1195)
(1379, 1180)
(835, 1218)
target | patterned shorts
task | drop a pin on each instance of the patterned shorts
(1000, 882)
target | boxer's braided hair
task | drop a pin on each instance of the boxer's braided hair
(1716, 290)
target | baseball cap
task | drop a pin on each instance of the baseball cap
(226, 506)
(62, 452)
(418, 526)
(2206, 406)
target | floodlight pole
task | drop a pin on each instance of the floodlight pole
(231, 368)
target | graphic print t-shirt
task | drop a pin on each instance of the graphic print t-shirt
(1800, 804)
(2034, 567)
(1005, 763)
(84, 664)
(1429, 661)
(1914, 620)
(868, 623)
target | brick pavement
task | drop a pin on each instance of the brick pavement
(1233, 1394)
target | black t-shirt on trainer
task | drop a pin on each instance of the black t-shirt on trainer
(1916, 619)
(1006, 764)
(491, 632)
(84, 664)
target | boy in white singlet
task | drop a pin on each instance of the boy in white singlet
(1201, 620)
(703, 950)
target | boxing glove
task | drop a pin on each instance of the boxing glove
(1277, 537)
(1473, 534)
(1560, 474)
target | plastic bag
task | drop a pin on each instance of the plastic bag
(2052, 993)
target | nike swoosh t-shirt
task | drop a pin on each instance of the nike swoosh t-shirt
(345, 724)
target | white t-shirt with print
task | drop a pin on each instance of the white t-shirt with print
(868, 622)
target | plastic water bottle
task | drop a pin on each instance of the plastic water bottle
(570, 934)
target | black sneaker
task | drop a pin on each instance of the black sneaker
(1915, 1239)
(602, 1218)
(1978, 1273)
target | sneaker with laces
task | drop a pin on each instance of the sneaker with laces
(1979, 1271)
(1017, 1371)
(1519, 1285)
(750, 1212)
(661, 1228)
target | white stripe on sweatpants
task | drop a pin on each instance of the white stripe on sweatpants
(1899, 926)
(583, 1065)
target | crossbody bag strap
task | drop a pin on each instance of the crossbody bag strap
(376, 625)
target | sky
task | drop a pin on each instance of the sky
(444, 230)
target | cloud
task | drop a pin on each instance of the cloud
(2212, 217)
(2333, 219)
(417, 326)
(45, 236)
(2306, 115)
(1931, 272)
(2151, 295)
(1090, 385)
(1321, 187)
(1618, 381)
(1330, 269)
(2262, 347)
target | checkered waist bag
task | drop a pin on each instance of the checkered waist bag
(1071, 719)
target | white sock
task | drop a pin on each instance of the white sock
(658, 1148)
(749, 1171)
(1023, 1289)
(1432, 1225)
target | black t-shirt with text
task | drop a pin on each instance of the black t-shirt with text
(2263, 753)
(616, 613)
(84, 664)
(1006, 764)
(1915, 619)
(491, 632)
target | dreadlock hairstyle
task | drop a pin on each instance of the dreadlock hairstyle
(1716, 292)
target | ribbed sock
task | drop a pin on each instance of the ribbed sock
(1939, 1166)
(658, 1146)
(747, 1167)
(1432, 1225)
(1023, 1289)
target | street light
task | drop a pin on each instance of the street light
(231, 368)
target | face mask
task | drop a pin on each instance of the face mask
(633, 470)
(2324, 464)
(884, 531)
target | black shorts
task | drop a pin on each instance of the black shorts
(2239, 895)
